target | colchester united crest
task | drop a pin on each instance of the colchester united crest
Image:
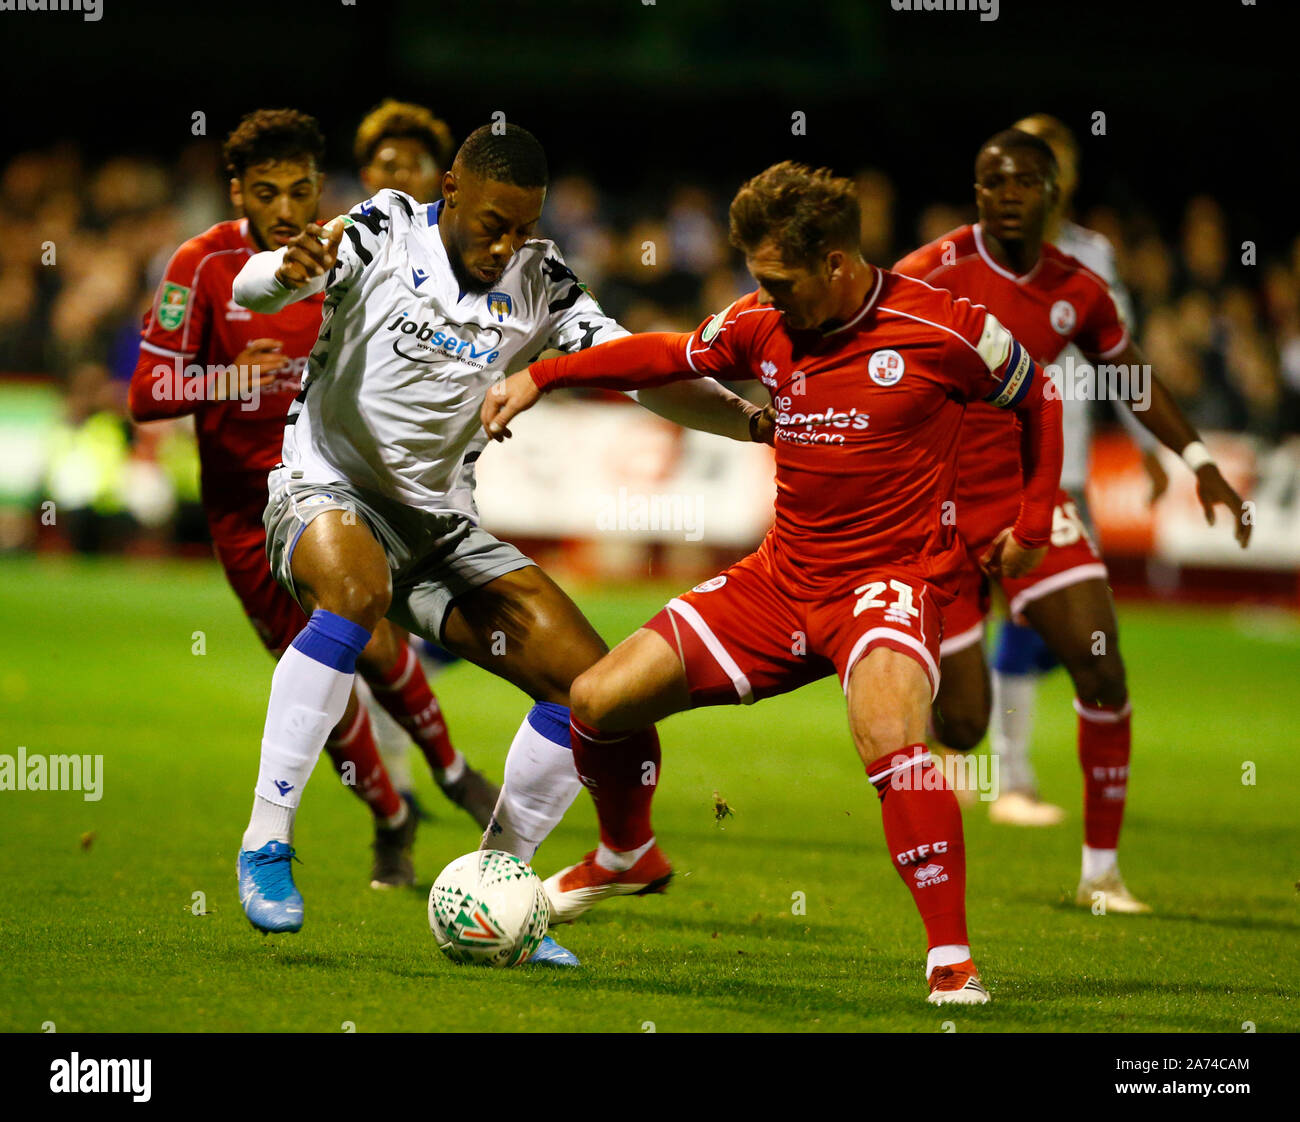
(500, 305)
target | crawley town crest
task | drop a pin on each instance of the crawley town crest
(885, 368)
(1063, 317)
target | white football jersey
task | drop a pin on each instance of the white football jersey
(390, 399)
(1095, 252)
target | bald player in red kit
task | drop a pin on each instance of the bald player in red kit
(238, 372)
(1048, 300)
(869, 374)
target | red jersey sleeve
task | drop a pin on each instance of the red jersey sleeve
(174, 331)
(1102, 333)
(989, 365)
(717, 347)
(631, 362)
(177, 322)
(654, 358)
(984, 362)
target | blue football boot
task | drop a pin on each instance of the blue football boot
(266, 888)
(550, 953)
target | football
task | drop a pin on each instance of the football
(488, 908)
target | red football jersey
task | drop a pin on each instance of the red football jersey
(1056, 303)
(867, 426)
(194, 322)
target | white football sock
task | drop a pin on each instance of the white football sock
(540, 785)
(619, 862)
(1097, 862)
(453, 771)
(307, 700)
(947, 955)
(1010, 725)
(270, 822)
(397, 819)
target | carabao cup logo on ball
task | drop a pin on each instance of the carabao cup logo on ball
(885, 368)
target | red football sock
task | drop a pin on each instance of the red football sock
(1105, 739)
(923, 831)
(404, 692)
(621, 770)
(355, 745)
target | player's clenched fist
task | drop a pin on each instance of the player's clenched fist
(762, 425)
(505, 401)
(258, 364)
(1007, 558)
(264, 355)
(310, 254)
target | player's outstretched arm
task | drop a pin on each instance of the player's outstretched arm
(630, 363)
(271, 281)
(1167, 423)
(708, 406)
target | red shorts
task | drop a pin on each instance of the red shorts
(740, 639)
(1071, 557)
(274, 614)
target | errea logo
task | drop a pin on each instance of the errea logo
(930, 874)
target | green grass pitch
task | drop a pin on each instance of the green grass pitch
(98, 922)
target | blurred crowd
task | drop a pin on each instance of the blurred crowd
(87, 243)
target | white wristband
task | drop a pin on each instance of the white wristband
(1196, 455)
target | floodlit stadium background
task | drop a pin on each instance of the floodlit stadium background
(651, 115)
